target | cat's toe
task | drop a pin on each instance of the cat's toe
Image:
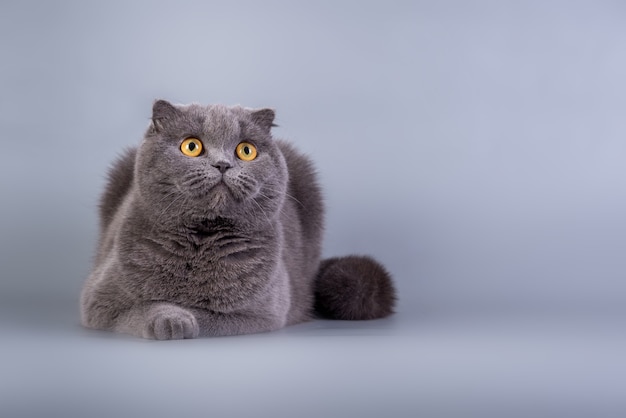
(173, 325)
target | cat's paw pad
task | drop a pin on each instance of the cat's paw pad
(172, 323)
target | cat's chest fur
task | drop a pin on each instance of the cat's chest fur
(213, 264)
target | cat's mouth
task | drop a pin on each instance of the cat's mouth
(201, 188)
(218, 194)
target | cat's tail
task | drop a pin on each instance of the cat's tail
(352, 288)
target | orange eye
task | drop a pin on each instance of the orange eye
(191, 147)
(246, 151)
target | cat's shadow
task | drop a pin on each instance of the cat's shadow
(311, 329)
(333, 327)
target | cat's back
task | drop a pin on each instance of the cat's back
(304, 192)
(302, 221)
(118, 185)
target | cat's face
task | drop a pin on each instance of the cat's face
(198, 163)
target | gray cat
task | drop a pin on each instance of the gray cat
(211, 227)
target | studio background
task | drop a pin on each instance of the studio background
(476, 148)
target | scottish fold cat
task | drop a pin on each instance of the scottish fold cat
(212, 227)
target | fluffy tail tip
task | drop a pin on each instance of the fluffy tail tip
(353, 288)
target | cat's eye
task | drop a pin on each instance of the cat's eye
(191, 147)
(246, 151)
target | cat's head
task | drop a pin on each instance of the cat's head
(203, 162)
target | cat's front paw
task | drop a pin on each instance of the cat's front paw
(171, 323)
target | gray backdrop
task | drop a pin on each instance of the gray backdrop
(475, 147)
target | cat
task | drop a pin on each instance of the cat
(211, 227)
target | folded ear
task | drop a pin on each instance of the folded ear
(264, 118)
(162, 112)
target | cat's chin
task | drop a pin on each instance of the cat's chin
(218, 199)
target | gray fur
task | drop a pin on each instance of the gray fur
(210, 245)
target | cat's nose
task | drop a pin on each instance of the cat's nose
(222, 166)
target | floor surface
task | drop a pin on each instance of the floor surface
(404, 366)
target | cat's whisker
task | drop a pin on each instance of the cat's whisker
(278, 191)
(164, 212)
(167, 196)
(265, 215)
